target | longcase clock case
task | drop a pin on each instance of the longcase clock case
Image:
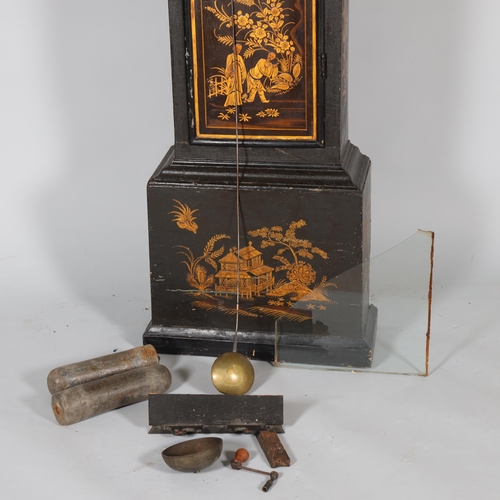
(277, 70)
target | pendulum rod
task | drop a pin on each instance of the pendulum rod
(231, 372)
(236, 77)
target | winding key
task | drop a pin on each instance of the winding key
(242, 456)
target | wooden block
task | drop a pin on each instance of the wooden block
(193, 413)
(273, 449)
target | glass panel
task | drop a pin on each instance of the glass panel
(342, 318)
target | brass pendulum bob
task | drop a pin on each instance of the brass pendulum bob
(232, 374)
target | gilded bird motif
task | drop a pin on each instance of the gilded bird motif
(184, 217)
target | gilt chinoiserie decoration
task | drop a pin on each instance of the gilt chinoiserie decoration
(260, 56)
(270, 291)
(271, 77)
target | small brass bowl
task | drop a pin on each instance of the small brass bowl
(193, 455)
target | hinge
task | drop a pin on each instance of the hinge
(323, 66)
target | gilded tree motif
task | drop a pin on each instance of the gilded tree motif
(300, 274)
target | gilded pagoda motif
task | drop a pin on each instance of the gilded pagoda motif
(254, 276)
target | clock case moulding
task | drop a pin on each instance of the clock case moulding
(305, 225)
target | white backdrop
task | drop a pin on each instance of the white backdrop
(425, 106)
(86, 116)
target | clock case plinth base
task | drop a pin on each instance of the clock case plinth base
(195, 315)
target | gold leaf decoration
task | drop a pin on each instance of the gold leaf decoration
(220, 14)
(282, 312)
(250, 3)
(296, 70)
(226, 40)
(184, 217)
(214, 306)
(211, 243)
(211, 261)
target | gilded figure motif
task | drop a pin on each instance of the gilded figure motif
(235, 76)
